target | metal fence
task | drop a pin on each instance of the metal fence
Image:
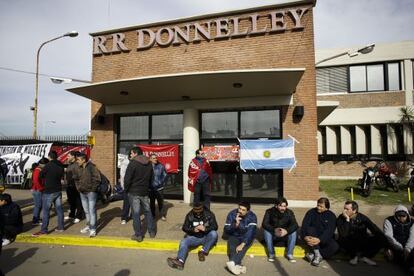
(58, 139)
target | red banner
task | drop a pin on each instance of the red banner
(166, 154)
(222, 153)
(63, 151)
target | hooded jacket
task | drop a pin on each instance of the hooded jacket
(138, 176)
(274, 219)
(399, 235)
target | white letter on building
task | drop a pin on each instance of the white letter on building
(141, 39)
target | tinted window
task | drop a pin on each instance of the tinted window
(263, 123)
(219, 125)
(134, 127)
(167, 126)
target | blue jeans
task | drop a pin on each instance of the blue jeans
(189, 242)
(47, 200)
(89, 206)
(136, 203)
(232, 244)
(125, 207)
(270, 238)
(37, 200)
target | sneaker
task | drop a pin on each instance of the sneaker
(368, 261)
(36, 223)
(309, 257)
(242, 269)
(76, 220)
(317, 260)
(353, 261)
(137, 238)
(59, 230)
(202, 256)
(85, 230)
(37, 234)
(67, 218)
(163, 218)
(92, 233)
(152, 235)
(5, 242)
(290, 258)
(231, 266)
(271, 259)
(175, 263)
(123, 222)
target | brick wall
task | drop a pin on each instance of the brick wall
(290, 49)
(371, 99)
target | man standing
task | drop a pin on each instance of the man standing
(353, 235)
(318, 228)
(52, 174)
(201, 228)
(241, 225)
(137, 183)
(199, 178)
(75, 205)
(157, 186)
(279, 225)
(399, 231)
(11, 218)
(87, 180)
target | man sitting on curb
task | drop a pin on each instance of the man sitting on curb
(399, 231)
(279, 225)
(241, 225)
(200, 225)
(354, 237)
(11, 217)
(318, 228)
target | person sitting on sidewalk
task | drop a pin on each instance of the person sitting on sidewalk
(200, 225)
(11, 217)
(241, 226)
(318, 229)
(399, 231)
(279, 225)
(353, 235)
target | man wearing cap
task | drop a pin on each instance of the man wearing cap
(199, 178)
(399, 231)
(241, 225)
(200, 226)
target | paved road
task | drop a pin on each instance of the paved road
(33, 259)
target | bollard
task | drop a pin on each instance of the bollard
(352, 193)
(409, 194)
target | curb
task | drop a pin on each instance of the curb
(147, 244)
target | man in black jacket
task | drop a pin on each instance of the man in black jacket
(279, 225)
(11, 218)
(201, 228)
(52, 174)
(137, 183)
(354, 238)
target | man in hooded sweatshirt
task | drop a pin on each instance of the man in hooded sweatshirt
(399, 231)
(137, 183)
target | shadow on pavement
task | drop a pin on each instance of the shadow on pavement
(123, 272)
(10, 254)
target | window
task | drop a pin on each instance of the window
(134, 127)
(219, 125)
(167, 126)
(374, 77)
(332, 80)
(259, 124)
(394, 76)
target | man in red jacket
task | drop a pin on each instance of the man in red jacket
(199, 178)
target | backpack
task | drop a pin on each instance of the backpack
(104, 188)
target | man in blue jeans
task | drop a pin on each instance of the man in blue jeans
(279, 225)
(137, 183)
(200, 225)
(52, 174)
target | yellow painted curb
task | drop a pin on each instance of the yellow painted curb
(148, 244)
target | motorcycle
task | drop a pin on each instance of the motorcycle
(386, 177)
(367, 181)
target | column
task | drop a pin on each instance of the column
(375, 140)
(191, 140)
(320, 142)
(408, 82)
(391, 140)
(345, 140)
(361, 140)
(408, 140)
(331, 144)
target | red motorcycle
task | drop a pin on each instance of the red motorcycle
(387, 177)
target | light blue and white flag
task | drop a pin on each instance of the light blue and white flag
(267, 154)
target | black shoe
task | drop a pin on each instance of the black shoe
(202, 256)
(137, 238)
(152, 235)
(175, 263)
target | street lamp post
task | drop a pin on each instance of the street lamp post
(364, 50)
(35, 107)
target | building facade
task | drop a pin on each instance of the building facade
(211, 80)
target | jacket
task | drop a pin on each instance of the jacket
(52, 174)
(12, 215)
(87, 178)
(399, 235)
(138, 176)
(194, 169)
(71, 174)
(274, 219)
(207, 219)
(357, 227)
(159, 177)
(37, 183)
(320, 224)
(247, 227)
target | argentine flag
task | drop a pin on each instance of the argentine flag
(267, 154)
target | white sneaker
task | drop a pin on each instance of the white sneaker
(85, 230)
(92, 233)
(5, 242)
(76, 220)
(66, 218)
(242, 268)
(354, 261)
(290, 258)
(123, 222)
(231, 266)
(368, 261)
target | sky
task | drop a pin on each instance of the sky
(26, 24)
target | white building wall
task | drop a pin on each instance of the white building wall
(320, 142)
(408, 82)
(361, 140)
(375, 140)
(408, 140)
(345, 140)
(391, 140)
(331, 145)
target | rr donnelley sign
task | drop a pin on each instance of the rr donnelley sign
(194, 32)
